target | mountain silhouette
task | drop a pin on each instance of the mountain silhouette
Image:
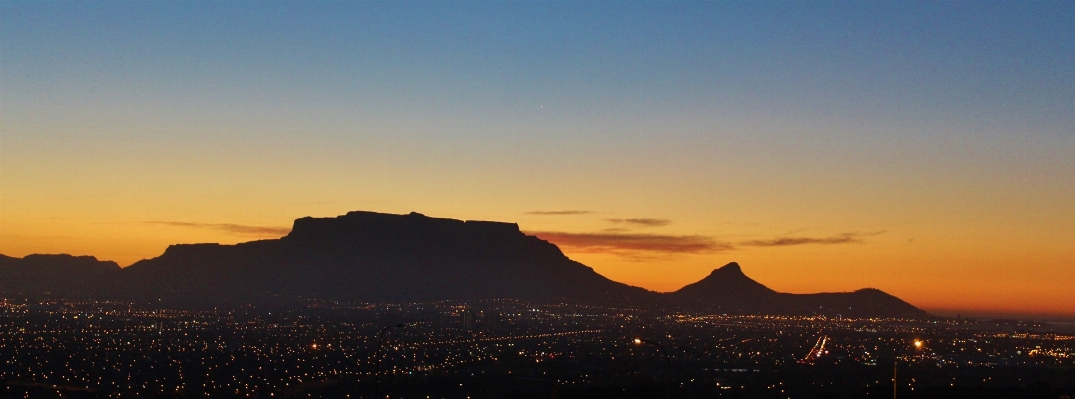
(728, 290)
(726, 283)
(373, 257)
(37, 276)
(376, 257)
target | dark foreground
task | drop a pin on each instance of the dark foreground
(512, 349)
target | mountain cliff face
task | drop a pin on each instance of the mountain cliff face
(374, 257)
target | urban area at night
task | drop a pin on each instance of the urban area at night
(513, 349)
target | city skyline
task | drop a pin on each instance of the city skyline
(923, 149)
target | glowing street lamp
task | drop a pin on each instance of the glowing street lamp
(667, 361)
(895, 363)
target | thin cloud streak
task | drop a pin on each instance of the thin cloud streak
(845, 238)
(572, 212)
(619, 243)
(644, 247)
(238, 229)
(647, 222)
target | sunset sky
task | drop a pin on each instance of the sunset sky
(923, 148)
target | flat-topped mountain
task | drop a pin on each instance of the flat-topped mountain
(366, 256)
(375, 257)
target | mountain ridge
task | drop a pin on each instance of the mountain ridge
(376, 257)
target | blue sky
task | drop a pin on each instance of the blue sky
(940, 133)
(979, 63)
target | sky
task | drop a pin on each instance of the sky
(923, 148)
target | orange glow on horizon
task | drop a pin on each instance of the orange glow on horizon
(918, 271)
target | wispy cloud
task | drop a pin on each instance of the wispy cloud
(571, 212)
(844, 238)
(237, 229)
(646, 222)
(632, 245)
(649, 247)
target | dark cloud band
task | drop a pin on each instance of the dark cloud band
(618, 243)
(845, 238)
(239, 229)
(646, 222)
(658, 246)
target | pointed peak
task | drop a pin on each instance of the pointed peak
(727, 281)
(729, 268)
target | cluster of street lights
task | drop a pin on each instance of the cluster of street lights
(637, 341)
(380, 337)
(377, 360)
(895, 366)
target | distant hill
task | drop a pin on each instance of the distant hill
(37, 276)
(728, 290)
(375, 257)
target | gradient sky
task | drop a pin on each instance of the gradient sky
(923, 148)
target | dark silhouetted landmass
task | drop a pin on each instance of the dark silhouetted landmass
(365, 256)
(36, 276)
(728, 290)
(374, 257)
